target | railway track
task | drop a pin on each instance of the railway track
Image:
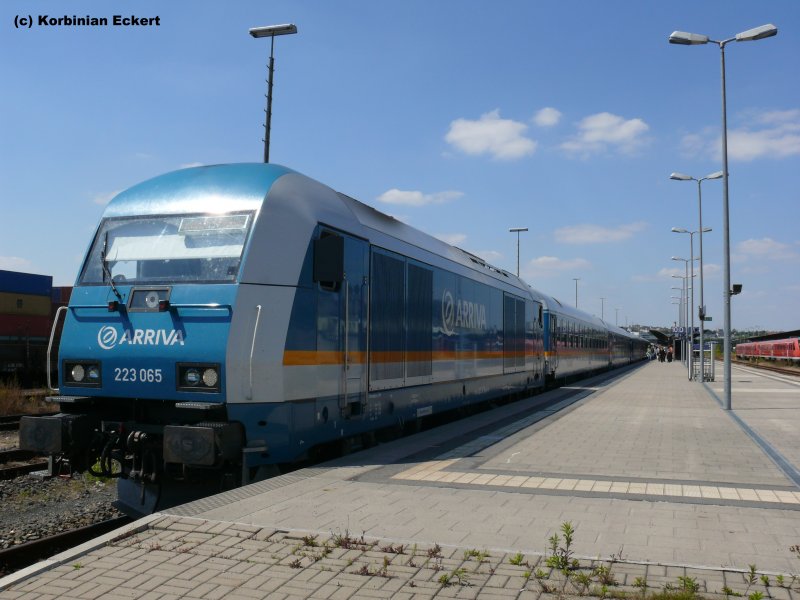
(14, 463)
(20, 556)
(774, 369)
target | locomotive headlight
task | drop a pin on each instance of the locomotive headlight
(210, 377)
(191, 377)
(84, 373)
(77, 373)
(198, 377)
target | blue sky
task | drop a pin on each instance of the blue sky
(462, 118)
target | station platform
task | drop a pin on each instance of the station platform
(662, 487)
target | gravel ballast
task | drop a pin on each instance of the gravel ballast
(34, 508)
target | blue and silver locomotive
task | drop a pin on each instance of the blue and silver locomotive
(231, 319)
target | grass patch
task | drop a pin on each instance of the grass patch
(16, 401)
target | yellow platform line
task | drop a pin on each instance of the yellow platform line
(436, 471)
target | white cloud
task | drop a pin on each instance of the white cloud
(454, 239)
(765, 249)
(667, 273)
(771, 134)
(14, 263)
(671, 271)
(547, 117)
(596, 234)
(547, 266)
(600, 132)
(503, 139)
(105, 198)
(416, 198)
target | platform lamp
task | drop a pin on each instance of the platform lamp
(681, 312)
(702, 310)
(691, 303)
(686, 306)
(271, 31)
(692, 39)
(518, 230)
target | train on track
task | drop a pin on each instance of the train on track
(231, 319)
(787, 350)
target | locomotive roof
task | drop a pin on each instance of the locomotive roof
(244, 186)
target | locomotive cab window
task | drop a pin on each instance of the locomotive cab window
(329, 260)
(168, 248)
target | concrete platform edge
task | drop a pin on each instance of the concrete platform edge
(73, 553)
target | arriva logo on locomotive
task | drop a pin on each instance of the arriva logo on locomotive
(461, 313)
(108, 337)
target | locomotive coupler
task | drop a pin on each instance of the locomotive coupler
(144, 460)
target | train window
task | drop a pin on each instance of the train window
(329, 260)
(168, 249)
(419, 338)
(387, 318)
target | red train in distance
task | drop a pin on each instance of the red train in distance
(788, 349)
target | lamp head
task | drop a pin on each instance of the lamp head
(679, 230)
(687, 39)
(757, 33)
(716, 175)
(273, 30)
(681, 177)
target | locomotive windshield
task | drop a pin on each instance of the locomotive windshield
(167, 249)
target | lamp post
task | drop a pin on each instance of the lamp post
(602, 308)
(576, 280)
(702, 310)
(686, 309)
(517, 230)
(691, 39)
(271, 31)
(691, 303)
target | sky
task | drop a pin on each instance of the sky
(462, 118)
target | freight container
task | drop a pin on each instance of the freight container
(25, 283)
(61, 294)
(23, 326)
(24, 304)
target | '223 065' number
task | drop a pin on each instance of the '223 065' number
(140, 375)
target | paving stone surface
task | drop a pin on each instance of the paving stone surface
(665, 491)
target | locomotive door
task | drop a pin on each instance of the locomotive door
(340, 267)
(354, 294)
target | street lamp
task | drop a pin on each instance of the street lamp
(691, 39)
(271, 31)
(686, 310)
(691, 303)
(702, 310)
(517, 230)
(576, 280)
(602, 308)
